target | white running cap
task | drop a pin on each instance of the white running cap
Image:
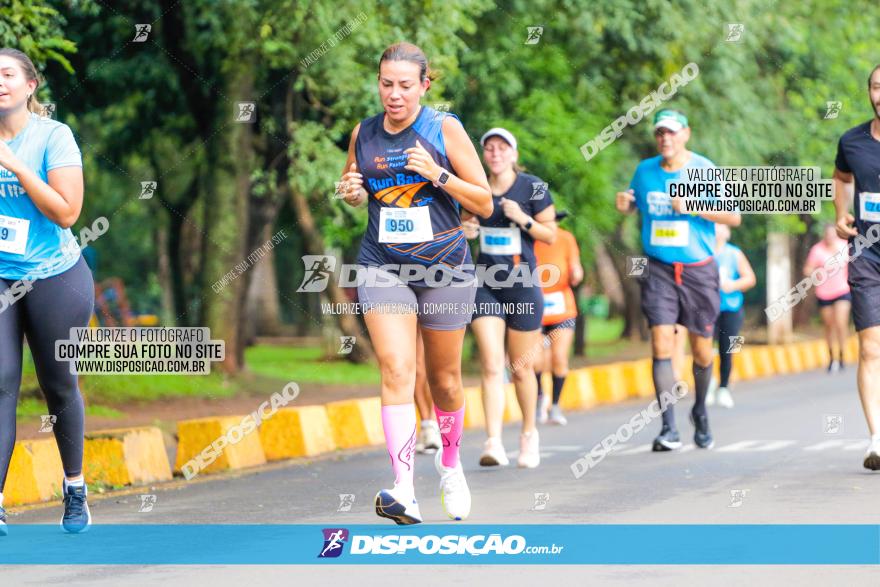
(499, 132)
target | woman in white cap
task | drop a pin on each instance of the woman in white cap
(509, 301)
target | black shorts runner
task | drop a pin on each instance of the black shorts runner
(521, 308)
(680, 293)
(847, 297)
(864, 287)
(548, 328)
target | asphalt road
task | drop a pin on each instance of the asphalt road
(790, 452)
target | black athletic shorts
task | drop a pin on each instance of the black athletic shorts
(864, 286)
(686, 294)
(847, 297)
(521, 308)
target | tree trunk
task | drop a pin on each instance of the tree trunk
(778, 284)
(163, 273)
(348, 324)
(262, 311)
(227, 189)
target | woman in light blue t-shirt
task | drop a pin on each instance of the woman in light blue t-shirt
(46, 288)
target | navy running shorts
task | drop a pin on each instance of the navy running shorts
(521, 308)
(686, 294)
(864, 287)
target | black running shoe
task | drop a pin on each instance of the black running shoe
(702, 435)
(872, 457)
(668, 440)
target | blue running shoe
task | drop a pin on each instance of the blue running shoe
(668, 440)
(77, 517)
(395, 505)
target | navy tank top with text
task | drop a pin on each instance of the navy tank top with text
(381, 159)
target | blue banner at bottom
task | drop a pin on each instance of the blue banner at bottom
(445, 544)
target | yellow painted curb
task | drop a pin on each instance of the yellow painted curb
(851, 352)
(821, 349)
(778, 359)
(763, 361)
(745, 368)
(474, 416)
(35, 472)
(302, 431)
(578, 393)
(608, 382)
(512, 413)
(125, 456)
(356, 422)
(795, 358)
(808, 358)
(199, 439)
(639, 378)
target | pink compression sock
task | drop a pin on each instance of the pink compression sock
(399, 423)
(451, 425)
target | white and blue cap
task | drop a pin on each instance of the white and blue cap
(671, 119)
(499, 132)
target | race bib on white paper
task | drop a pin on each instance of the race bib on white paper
(405, 225)
(554, 303)
(670, 233)
(869, 203)
(13, 234)
(500, 241)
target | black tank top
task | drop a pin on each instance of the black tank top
(381, 159)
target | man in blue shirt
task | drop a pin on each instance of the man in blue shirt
(683, 285)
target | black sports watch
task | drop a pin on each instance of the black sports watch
(528, 225)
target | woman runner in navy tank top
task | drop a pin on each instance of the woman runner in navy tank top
(417, 168)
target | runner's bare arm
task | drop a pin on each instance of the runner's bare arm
(843, 194)
(575, 269)
(60, 198)
(470, 188)
(352, 184)
(747, 279)
(728, 218)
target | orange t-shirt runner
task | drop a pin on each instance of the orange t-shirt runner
(559, 303)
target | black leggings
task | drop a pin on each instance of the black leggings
(45, 314)
(728, 324)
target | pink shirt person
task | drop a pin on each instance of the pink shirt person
(836, 284)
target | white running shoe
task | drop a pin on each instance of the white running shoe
(542, 408)
(455, 496)
(710, 394)
(725, 399)
(493, 453)
(556, 416)
(529, 450)
(429, 438)
(872, 457)
(398, 504)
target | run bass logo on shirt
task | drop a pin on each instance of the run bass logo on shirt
(400, 189)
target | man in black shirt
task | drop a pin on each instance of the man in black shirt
(857, 178)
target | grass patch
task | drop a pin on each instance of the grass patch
(34, 408)
(307, 365)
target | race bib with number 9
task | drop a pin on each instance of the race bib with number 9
(13, 235)
(405, 225)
